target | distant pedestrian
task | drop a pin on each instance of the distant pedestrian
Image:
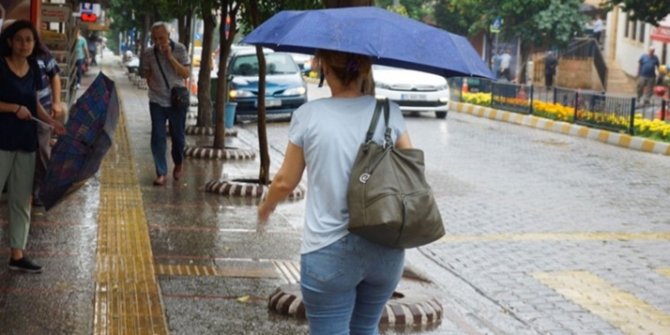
(170, 59)
(550, 64)
(18, 132)
(82, 57)
(49, 97)
(496, 64)
(92, 45)
(664, 80)
(598, 28)
(646, 75)
(345, 279)
(505, 63)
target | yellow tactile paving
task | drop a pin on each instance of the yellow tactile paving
(665, 272)
(620, 308)
(576, 236)
(127, 296)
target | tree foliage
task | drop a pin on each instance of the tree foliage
(651, 11)
(535, 22)
(419, 10)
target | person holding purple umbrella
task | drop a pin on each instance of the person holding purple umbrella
(19, 108)
(345, 279)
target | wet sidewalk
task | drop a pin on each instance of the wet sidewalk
(122, 256)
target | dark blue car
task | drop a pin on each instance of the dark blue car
(285, 88)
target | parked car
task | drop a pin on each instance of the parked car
(304, 62)
(414, 91)
(285, 88)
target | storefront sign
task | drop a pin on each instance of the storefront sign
(51, 13)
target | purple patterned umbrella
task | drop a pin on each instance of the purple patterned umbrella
(78, 154)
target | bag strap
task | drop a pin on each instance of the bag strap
(382, 104)
(161, 68)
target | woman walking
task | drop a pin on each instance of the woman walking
(345, 279)
(18, 132)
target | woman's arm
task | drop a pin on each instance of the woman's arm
(403, 141)
(286, 179)
(56, 107)
(6, 107)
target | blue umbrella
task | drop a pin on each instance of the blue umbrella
(390, 39)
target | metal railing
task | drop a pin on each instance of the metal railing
(590, 108)
(512, 97)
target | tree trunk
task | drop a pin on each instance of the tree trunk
(264, 173)
(227, 8)
(204, 76)
(184, 26)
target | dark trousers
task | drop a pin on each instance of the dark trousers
(176, 119)
(549, 79)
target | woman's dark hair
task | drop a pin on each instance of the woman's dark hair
(9, 33)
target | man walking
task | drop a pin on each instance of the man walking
(165, 65)
(646, 75)
(550, 64)
(505, 62)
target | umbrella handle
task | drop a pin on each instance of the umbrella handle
(42, 122)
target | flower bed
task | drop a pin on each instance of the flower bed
(653, 129)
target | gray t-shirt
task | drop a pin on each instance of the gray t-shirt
(330, 132)
(158, 92)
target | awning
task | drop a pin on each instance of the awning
(662, 32)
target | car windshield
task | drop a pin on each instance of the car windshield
(277, 63)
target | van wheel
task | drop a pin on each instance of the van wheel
(441, 115)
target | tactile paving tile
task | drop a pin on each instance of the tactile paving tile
(127, 295)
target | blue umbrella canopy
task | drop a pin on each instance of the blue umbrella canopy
(390, 39)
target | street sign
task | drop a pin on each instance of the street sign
(496, 25)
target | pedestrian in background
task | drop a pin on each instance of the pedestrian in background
(550, 64)
(92, 45)
(18, 132)
(49, 98)
(646, 75)
(81, 57)
(165, 61)
(345, 279)
(496, 64)
(598, 28)
(505, 62)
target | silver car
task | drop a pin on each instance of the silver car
(414, 91)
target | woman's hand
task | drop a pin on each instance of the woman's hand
(58, 127)
(264, 211)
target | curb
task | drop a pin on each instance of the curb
(195, 130)
(211, 153)
(604, 136)
(417, 311)
(240, 188)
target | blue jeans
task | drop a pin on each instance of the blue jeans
(346, 285)
(177, 123)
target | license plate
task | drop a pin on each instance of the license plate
(413, 97)
(271, 103)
